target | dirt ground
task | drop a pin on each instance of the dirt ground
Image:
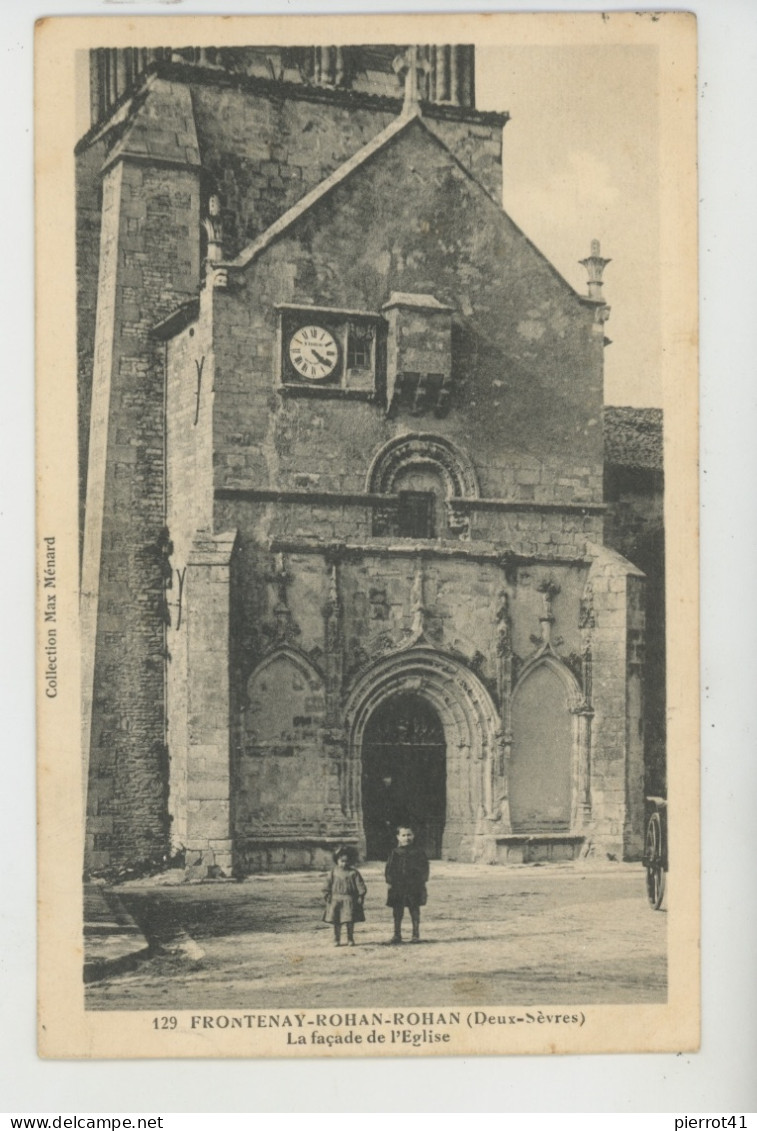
(562, 933)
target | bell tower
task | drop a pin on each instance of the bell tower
(447, 70)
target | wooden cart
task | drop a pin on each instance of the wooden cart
(656, 850)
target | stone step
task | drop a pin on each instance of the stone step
(531, 848)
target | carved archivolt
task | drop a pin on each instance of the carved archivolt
(465, 708)
(423, 450)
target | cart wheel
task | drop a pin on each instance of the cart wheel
(654, 863)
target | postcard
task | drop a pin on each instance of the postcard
(367, 535)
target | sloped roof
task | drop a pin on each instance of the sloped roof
(633, 437)
(396, 129)
(376, 145)
(305, 203)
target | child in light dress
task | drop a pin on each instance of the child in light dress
(344, 893)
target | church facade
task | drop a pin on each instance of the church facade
(343, 558)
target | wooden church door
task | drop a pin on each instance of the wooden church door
(404, 775)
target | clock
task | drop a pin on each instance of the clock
(313, 352)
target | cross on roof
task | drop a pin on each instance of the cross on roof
(412, 67)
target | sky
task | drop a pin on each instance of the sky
(580, 163)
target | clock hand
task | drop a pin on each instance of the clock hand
(319, 357)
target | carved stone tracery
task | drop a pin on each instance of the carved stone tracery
(284, 627)
(423, 448)
(332, 635)
(419, 450)
(587, 623)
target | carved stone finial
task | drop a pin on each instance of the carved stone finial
(413, 68)
(418, 607)
(595, 266)
(586, 624)
(213, 225)
(503, 623)
(285, 626)
(549, 590)
(332, 628)
(333, 585)
(586, 618)
(282, 578)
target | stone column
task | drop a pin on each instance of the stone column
(633, 828)
(617, 755)
(208, 766)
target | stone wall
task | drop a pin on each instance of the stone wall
(89, 202)
(208, 767)
(318, 598)
(617, 641)
(634, 526)
(239, 549)
(148, 265)
(320, 72)
(262, 154)
(309, 627)
(188, 488)
(527, 384)
(298, 770)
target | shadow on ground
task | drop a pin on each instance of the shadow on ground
(557, 934)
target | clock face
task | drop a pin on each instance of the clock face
(313, 352)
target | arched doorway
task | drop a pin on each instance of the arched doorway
(470, 726)
(403, 774)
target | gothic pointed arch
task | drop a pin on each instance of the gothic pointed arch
(546, 658)
(545, 764)
(286, 655)
(283, 783)
(470, 725)
(285, 703)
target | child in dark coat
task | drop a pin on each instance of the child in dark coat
(344, 893)
(406, 873)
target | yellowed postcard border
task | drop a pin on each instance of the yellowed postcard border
(66, 1029)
